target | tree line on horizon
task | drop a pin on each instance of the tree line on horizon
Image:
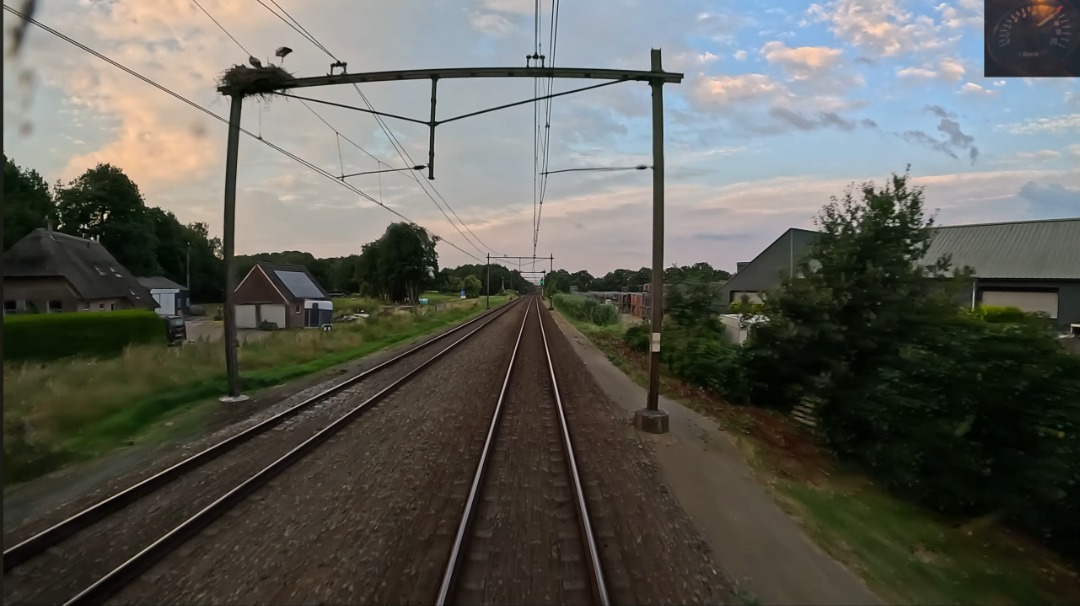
(104, 204)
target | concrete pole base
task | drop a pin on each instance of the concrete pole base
(233, 399)
(651, 421)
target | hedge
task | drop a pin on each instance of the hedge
(589, 310)
(46, 337)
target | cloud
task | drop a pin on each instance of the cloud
(946, 69)
(939, 111)
(1052, 199)
(491, 23)
(965, 13)
(718, 236)
(740, 55)
(760, 104)
(954, 141)
(721, 26)
(879, 28)
(821, 120)
(818, 68)
(1049, 124)
(1074, 151)
(971, 88)
(1039, 156)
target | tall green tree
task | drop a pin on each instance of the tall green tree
(207, 263)
(471, 285)
(400, 265)
(104, 204)
(28, 204)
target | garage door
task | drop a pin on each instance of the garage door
(166, 303)
(245, 316)
(1031, 302)
(273, 313)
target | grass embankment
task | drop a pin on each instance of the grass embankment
(906, 554)
(60, 413)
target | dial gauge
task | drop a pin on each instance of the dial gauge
(1036, 38)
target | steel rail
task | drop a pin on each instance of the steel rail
(593, 554)
(121, 576)
(53, 535)
(451, 575)
(453, 566)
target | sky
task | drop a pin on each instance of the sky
(783, 105)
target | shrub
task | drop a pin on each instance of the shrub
(638, 337)
(268, 325)
(704, 359)
(999, 314)
(45, 337)
(586, 309)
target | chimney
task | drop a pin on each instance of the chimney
(741, 265)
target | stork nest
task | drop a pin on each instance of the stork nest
(254, 81)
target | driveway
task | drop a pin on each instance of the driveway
(202, 329)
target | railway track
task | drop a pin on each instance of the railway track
(525, 535)
(302, 428)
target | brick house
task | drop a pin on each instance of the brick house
(287, 295)
(51, 272)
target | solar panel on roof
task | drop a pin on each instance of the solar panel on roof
(299, 284)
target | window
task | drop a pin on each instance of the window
(11, 306)
(101, 306)
(297, 309)
(86, 307)
(112, 306)
(56, 307)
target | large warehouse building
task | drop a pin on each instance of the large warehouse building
(1033, 265)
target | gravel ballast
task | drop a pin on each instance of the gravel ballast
(64, 570)
(370, 515)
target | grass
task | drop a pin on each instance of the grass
(910, 556)
(905, 553)
(59, 413)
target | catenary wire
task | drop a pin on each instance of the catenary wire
(401, 151)
(223, 120)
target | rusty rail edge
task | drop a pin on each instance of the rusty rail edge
(38, 543)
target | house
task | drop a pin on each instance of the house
(50, 272)
(1033, 265)
(287, 295)
(172, 299)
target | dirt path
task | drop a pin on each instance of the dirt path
(752, 539)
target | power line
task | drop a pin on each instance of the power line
(402, 153)
(541, 170)
(196, 2)
(221, 119)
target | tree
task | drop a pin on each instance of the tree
(400, 265)
(170, 244)
(470, 284)
(28, 204)
(104, 204)
(924, 397)
(207, 263)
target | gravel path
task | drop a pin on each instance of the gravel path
(364, 519)
(66, 569)
(525, 546)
